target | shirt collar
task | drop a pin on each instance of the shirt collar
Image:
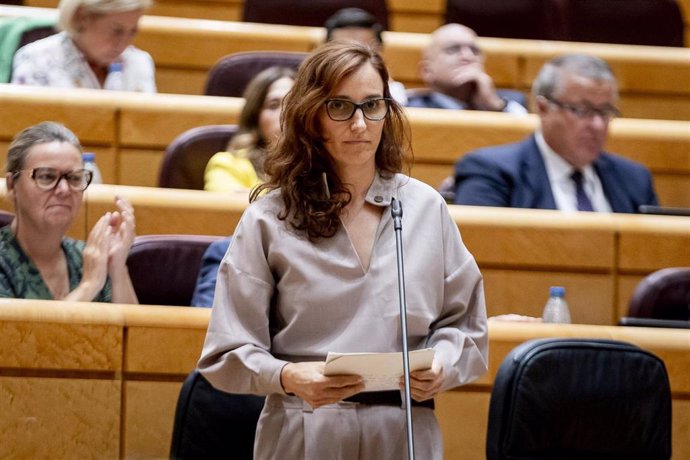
(556, 166)
(381, 191)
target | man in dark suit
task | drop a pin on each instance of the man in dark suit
(452, 67)
(562, 165)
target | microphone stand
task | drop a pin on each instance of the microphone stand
(396, 212)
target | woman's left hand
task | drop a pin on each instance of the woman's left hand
(424, 384)
(122, 224)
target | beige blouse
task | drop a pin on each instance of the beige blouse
(281, 298)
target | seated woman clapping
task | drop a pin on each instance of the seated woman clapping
(45, 181)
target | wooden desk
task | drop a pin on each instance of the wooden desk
(599, 258)
(129, 133)
(652, 79)
(99, 380)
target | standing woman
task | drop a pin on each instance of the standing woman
(312, 269)
(46, 180)
(93, 50)
(241, 167)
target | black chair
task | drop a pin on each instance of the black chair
(212, 424)
(187, 155)
(164, 268)
(308, 12)
(6, 218)
(631, 22)
(572, 399)
(664, 294)
(529, 19)
(232, 73)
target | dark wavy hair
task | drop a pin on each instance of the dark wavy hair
(297, 163)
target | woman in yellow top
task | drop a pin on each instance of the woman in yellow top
(241, 167)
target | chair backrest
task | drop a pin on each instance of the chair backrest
(580, 398)
(664, 294)
(164, 268)
(529, 19)
(210, 423)
(187, 155)
(231, 74)
(16, 32)
(308, 12)
(631, 22)
(5, 218)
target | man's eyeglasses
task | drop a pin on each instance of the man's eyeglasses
(49, 178)
(585, 111)
(343, 110)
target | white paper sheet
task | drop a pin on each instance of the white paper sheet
(381, 371)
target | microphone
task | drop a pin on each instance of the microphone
(396, 213)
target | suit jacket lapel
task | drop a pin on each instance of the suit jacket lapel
(612, 185)
(535, 177)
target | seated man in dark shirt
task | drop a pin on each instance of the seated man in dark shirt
(562, 165)
(453, 69)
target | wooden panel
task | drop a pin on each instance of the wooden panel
(463, 417)
(140, 166)
(172, 211)
(157, 120)
(59, 418)
(59, 338)
(149, 415)
(590, 297)
(537, 239)
(654, 243)
(626, 287)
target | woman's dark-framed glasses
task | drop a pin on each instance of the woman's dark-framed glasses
(49, 178)
(372, 109)
(585, 111)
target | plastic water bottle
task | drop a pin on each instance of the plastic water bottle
(115, 79)
(556, 308)
(90, 165)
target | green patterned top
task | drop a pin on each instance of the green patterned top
(20, 278)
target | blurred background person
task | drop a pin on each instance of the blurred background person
(362, 27)
(93, 50)
(45, 181)
(563, 164)
(241, 167)
(312, 269)
(452, 67)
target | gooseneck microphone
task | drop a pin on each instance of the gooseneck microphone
(396, 213)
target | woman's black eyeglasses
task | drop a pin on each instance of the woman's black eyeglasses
(372, 109)
(49, 178)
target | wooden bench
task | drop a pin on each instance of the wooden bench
(652, 79)
(599, 258)
(101, 380)
(129, 133)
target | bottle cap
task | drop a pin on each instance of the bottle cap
(88, 156)
(557, 291)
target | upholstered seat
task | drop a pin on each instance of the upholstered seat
(211, 424)
(5, 218)
(572, 399)
(664, 294)
(308, 13)
(529, 19)
(186, 157)
(231, 74)
(164, 268)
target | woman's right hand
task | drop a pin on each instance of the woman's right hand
(307, 381)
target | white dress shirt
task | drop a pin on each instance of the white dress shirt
(563, 186)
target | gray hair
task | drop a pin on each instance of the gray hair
(42, 133)
(67, 9)
(583, 65)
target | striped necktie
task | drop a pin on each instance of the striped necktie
(583, 202)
